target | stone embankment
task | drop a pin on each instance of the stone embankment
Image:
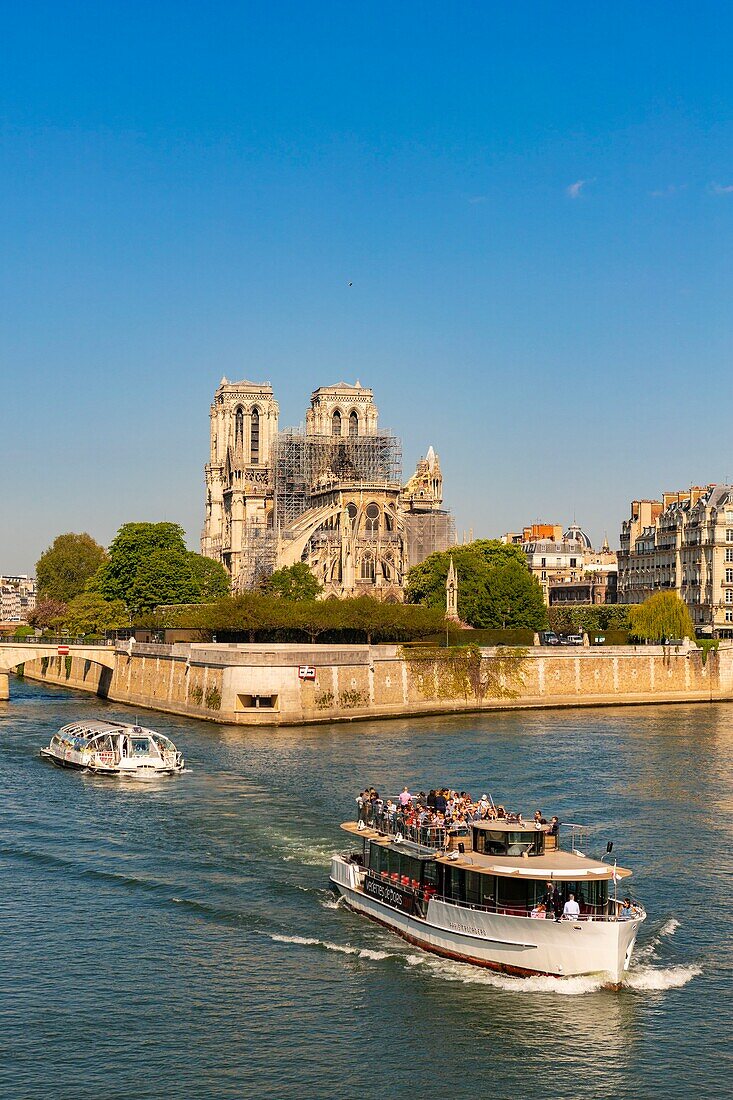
(294, 684)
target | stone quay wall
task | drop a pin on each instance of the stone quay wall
(263, 685)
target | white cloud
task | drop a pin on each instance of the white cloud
(575, 189)
(720, 189)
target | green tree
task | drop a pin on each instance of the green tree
(64, 570)
(47, 613)
(293, 582)
(210, 577)
(90, 613)
(495, 586)
(513, 598)
(661, 616)
(162, 578)
(130, 549)
(149, 564)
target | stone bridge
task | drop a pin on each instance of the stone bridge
(13, 654)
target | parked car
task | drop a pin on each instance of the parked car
(573, 639)
(549, 637)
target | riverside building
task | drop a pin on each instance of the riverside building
(567, 567)
(682, 543)
(330, 494)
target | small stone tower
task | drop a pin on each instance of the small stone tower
(451, 593)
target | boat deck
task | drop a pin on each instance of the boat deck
(556, 865)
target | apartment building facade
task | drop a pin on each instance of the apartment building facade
(682, 543)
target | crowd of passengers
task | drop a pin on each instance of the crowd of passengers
(440, 809)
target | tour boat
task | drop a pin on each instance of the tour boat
(114, 748)
(476, 898)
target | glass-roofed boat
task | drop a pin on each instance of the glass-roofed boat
(114, 748)
(520, 897)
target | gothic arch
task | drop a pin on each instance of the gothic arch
(336, 422)
(353, 423)
(254, 436)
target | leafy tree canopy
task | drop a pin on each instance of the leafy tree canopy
(90, 613)
(164, 577)
(258, 615)
(661, 616)
(210, 577)
(495, 587)
(47, 613)
(294, 582)
(64, 570)
(131, 547)
(149, 564)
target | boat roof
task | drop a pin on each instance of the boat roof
(555, 865)
(95, 726)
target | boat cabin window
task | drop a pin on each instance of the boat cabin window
(139, 746)
(386, 859)
(504, 843)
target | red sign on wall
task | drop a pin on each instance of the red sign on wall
(63, 651)
(306, 672)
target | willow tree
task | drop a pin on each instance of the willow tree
(661, 616)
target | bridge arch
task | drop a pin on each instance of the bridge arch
(13, 654)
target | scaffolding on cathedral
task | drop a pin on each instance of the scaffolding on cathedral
(306, 466)
(259, 553)
(428, 533)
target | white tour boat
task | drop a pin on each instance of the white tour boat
(114, 748)
(505, 895)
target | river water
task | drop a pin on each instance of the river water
(178, 939)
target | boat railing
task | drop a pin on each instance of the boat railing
(423, 893)
(608, 912)
(104, 757)
(395, 825)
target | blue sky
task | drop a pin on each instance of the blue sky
(533, 202)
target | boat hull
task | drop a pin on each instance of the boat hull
(75, 760)
(514, 945)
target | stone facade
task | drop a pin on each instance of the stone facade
(256, 685)
(682, 543)
(330, 495)
(567, 567)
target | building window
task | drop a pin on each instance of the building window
(371, 523)
(543, 562)
(336, 423)
(729, 553)
(238, 428)
(254, 437)
(729, 535)
(353, 424)
(573, 563)
(729, 595)
(729, 576)
(367, 568)
(729, 615)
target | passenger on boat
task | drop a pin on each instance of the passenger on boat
(539, 911)
(553, 901)
(571, 910)
(628, 910)
(539, 819)
(405, 797)
(554, 827)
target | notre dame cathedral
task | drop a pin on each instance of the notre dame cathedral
(330, 495)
